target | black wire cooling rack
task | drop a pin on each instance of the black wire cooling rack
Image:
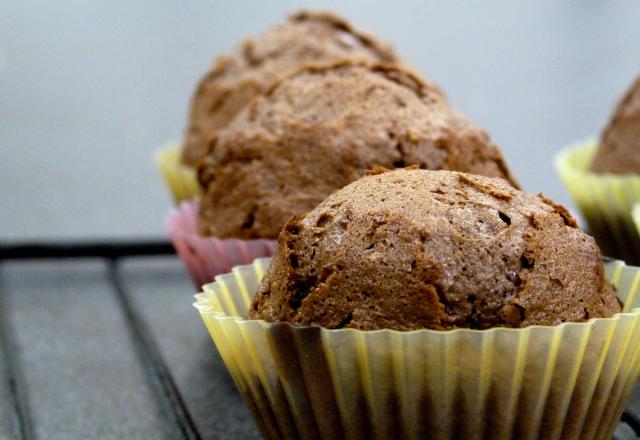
(203, 406)
(166, 393)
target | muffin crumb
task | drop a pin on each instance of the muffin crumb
(258, 63)
(411, 249)
(322, 128)
(619, 148)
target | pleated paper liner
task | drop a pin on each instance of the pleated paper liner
(605, 201)
(571, 381)
(635, 215)
(180, 179)
(206, 257)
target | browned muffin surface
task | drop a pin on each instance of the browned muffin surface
(321, 129)
(411, 249)
(252, 68)
(619, 148)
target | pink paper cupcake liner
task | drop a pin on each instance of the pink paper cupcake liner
(205, 257)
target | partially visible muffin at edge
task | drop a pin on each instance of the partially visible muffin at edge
(411, 249)
(619, 148)
(321, 129)
(254, 66)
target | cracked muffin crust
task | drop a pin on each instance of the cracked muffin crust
(619, 148)
(253, 67)
(322, 128)
(411, 249)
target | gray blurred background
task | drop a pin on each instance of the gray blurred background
(88, 90)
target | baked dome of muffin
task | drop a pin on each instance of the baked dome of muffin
(253, 67)
(411, 249)
(322, 128)
(619, 148)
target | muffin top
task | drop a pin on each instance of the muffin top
(619, 148)
(322, 128)
(253, 67)
(411, 249)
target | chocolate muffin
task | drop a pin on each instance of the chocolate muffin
(253, 67)
(619, 148)
(411, 249)
(322, 128)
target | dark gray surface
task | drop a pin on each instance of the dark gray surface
(5, 409)
(89, 89)
(624, 432)
(164, 297)
(83, 377)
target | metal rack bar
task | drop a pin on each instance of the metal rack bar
(152, 361)
(154, 365)
(89, 249)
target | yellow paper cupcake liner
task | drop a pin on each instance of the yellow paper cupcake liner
(605, 201)
(635, 215)
(180, 178)
(570, 381)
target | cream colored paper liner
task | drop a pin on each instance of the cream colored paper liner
(180, 178)
(605, 201)
(571, 381)
(635, 214)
